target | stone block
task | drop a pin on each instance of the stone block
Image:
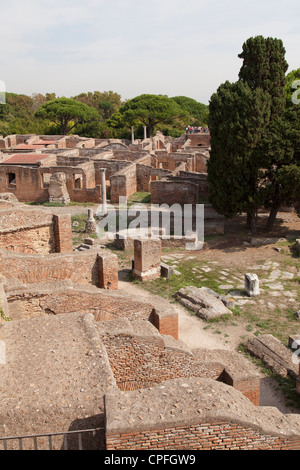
(252, 284)
(166, 270)
(147, 259)
(204, 304)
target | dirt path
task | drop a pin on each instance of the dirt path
(192, 332)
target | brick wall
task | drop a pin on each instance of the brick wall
(195, 414)
(78, 267)
(147, 259)
(30, 240)
(166, 323)
(102, 304)
(174, 192)
(141, 361)
(221, 435)
(25, 231)
(108, 271)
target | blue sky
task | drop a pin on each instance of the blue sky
(171, 47)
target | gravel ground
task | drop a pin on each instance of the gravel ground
(55, 376)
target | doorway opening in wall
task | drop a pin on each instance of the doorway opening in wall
(77, 181)
(11, 177)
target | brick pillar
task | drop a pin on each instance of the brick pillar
(166, 323)
(250, 386)
(147, 259)
(108, 271)
(63, 233)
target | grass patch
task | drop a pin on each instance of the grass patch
(4, 317)
(141, 197)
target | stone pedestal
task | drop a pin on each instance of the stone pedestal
(147, 259)
(91, 224)
(252, 284)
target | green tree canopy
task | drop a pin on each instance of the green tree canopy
(198, 112)
(66, 113)
(148, 110)
(292, 78)
(264, 66)
(262, 154)
(237, 118)
(106, 103)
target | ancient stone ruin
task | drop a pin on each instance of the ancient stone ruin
(81, 355)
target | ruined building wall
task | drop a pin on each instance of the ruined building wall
(195, 414)
(125, 182)
(25, 231)
(78, 267)
(174, 192)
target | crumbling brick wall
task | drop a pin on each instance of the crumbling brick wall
(30, 232)
(195, 414)
(78, 267)
(205, 436)
(144, 357)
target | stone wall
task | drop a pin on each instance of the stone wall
(141, 357)
(174, 192)
(78, 267)
(195, 414)
(104, 305)
(33, 231)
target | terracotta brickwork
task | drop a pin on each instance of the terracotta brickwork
(78, 267)
(204, 436)
(25, 231)
(63, 233)
(147, 259)
(108, 271)
(141, 361)
(166, 323)
(195, 414)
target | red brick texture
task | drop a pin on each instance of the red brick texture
(203, 436)
(108, 271)
(63, 233)
(166, 323)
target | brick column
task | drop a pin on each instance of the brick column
(147, 259)
(63, 233)
(249, 386)
(108, 271)
(166, 323)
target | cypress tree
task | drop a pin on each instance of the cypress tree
(264, 66)
(237, 119)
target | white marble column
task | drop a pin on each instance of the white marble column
(103, 191)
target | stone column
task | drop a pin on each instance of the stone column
(132, 134)
(91, 225)
(103, 191)
(145, 132)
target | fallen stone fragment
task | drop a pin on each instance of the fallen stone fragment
(204, 304)
(274, 354)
